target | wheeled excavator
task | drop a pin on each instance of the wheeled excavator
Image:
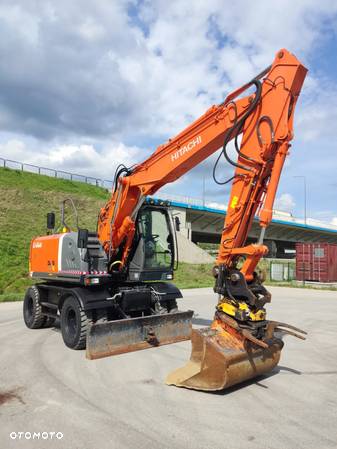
(112, 288)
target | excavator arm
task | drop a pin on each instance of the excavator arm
(265, 120)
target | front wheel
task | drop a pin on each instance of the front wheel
(74, 324)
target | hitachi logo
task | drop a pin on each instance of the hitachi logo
(185, 149)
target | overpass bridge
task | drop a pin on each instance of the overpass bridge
(203, 223)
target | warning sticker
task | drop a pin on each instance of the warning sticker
(234, 202)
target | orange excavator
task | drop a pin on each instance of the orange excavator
(110, 287)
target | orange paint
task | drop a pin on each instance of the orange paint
(44, 253)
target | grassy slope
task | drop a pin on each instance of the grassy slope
(194, 276)
(25, 199)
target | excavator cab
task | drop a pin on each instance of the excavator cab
(155, 248)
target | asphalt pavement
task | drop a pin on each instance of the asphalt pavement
(123, 402)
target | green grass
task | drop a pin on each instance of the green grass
(25, 199)
(194, 276)
(12, 297)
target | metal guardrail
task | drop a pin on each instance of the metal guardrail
(105, 183)
(60, 174)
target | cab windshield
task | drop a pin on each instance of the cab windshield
(154, 230)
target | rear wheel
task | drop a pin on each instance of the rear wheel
(74, 324)
(32, 311)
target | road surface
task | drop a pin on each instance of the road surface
(122, 402)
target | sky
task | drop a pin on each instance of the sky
(86, 85)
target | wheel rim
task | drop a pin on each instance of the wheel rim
(71, 323)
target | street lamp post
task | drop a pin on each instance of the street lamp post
(305, 195)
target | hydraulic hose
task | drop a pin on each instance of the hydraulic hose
(236, 129)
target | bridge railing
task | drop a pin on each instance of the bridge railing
(60, 174)
(181, 199)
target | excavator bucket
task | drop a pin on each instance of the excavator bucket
(221, 357)
(133, 334)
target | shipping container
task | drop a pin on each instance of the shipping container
(316, 262)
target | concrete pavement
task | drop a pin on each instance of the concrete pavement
(122, 401)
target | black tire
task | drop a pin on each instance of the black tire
(74, 324)
(32, 311)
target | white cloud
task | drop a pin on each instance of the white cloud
(82, 159)
(285, 203)
(317, 112)
(334, 221)
(91, 30)
(109, 73)
(86, 85)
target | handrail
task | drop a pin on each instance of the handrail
(52, 172)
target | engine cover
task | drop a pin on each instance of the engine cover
(58, 254)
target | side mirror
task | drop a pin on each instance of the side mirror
(50, 220)
(82, 240)
(177, 223)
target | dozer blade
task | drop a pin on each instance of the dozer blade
(221, 359)
(133, 334)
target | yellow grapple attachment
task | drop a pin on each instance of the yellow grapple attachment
(240, 310)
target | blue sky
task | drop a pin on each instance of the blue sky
(86, 85)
